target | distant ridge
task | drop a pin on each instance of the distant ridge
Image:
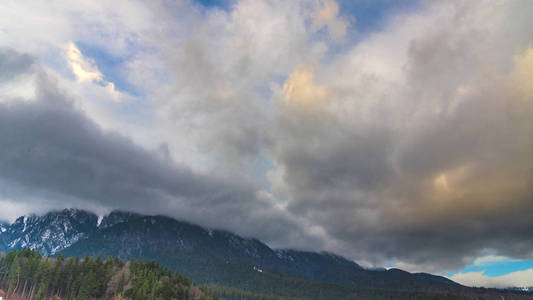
(206, 256)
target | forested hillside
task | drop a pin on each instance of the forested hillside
(24, 275)
(232, 266)
(206, 256)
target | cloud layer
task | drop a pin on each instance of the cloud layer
(520, 279)
(51, 152)
(410, 146)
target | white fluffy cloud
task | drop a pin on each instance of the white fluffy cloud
(520, 279)
(86, 71)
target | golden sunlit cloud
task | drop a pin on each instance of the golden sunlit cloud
(451, 182)
(86, 71)
(301, 89)
(522, 75)
(441, 183)
(326, 15)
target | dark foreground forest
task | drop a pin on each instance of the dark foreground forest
(25, 274)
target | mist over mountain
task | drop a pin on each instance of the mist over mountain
(206, 256)
(214, 257)
(201, 253)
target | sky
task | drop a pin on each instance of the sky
(395, 133)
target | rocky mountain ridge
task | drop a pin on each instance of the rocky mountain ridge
(207, 256)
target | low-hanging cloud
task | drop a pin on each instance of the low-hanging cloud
(13, 64)
(519, 279)
(429, 168)
(52, 153)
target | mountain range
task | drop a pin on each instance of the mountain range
(207, 256)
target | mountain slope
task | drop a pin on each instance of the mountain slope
(50, 233)
(90, 279)
(111, 278)
(206, 256)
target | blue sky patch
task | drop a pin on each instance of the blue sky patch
(370, 16)
(221, 4)
(499, 268)
(110, 66)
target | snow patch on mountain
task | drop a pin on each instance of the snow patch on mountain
(51, 232)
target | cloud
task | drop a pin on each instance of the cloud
(11, 209)
(521, 279)
(52, 155)
(12, 82)
(12, 64)
(410, 146)
(400, 164)
(326, 14)
(301, 89)
(85, 70)
(489, 259)
(522, 75)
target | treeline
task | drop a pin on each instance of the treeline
(229, 293)
(27, 275)
(298, 288)
(322, 291)
(151, 281)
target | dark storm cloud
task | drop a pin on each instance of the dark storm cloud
(462, 186)
(13, 64)
(66, 151)
(50, 149)
(432, 183)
